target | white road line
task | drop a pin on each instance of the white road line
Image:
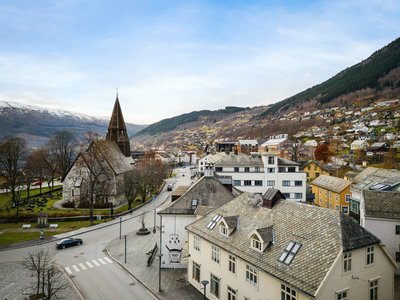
(83, 267)
(68, 270)
(151, 294)
(89, 264)
(134, 280)
(75, 268)
(95, 262)
(109, 260)
(102, 261)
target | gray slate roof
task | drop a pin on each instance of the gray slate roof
(208, 192)
(286, 162)
(111, 152)
(371, 176)
(240, 159)
(331, 183)
(382, 204)
(321, 232)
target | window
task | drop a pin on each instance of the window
(215, 254)
(196, 243)
(247, 182)
(287, 293)
(373, 290)
(320, 191)
(347, 197)
(231, 293)
(232, 264)
(316, 174)
(286, 183)
(236, 169)
(291, 169)
(397, 229)
(337, 197)
(347, 262)
(326, 193)
(330, 195)
(218, 169)
(315, 168)
(223, 229)
(309, 168)
(258, 182)
(282, 169)
(370, 255)
(355, 206)
(326, 203)
(72, 192)
(308, 175)
(289, 253)
(345, 209)
(236, 182)
(319, 200)
(271, 183)
(255, 242)
(298, 195)
(247, 169)
(196, 272)
(251, 275)
(271, 160)
(330, 205)
(341, 296)
(298, 183)
(270, 170)
(215, 285)
(337, 207)
(286, 195)
(257, 169)
(194, 202)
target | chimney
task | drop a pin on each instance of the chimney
(271, 197)
(208, 171)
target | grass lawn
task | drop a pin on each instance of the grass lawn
(13, 233)
(5, 198)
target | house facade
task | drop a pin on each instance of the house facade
(359, 145)
(312, 169)
(254, 248)
(332, 192)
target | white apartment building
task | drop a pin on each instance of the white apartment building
(264, 247)
(261, 171)
(209, 160)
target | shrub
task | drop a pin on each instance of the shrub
(68, 205)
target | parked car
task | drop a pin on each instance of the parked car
(37, 183)
(170, 186)
(68, 243)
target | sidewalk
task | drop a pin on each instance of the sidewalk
(173, 281)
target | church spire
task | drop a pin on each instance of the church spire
(117, 129)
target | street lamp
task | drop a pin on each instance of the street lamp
(159, 256)
(120, 226)
(205, 282)
(125, 246)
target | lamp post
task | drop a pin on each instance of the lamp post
(159, 256)
(125, 246)
(205, 282)
(120, 226)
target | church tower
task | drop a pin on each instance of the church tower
(117, 130)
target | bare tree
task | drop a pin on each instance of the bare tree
(88, 138)
(48, 283)
(129, 186)
(13, 154)
(294, 148)
(64, 145)
(48, 162)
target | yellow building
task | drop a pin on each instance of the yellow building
(312, 169)
(332, 192)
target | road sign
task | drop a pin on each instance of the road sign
(154, 198)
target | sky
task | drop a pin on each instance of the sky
(172, 57)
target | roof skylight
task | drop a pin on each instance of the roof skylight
(214, 222)
(290, 252)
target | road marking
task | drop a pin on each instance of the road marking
(89, 264)
(151, 294)
(102, 261)
(109, 260)
(83, 267)
(75, 268)
(134, 280)
(68, 270)
(95, 262)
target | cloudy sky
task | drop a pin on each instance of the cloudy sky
(173, 57)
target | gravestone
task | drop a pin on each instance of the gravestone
(42, 220)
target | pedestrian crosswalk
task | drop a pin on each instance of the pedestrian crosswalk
(84, 266)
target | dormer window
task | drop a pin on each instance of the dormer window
(223, 229)
(256, 243)
(194, 202)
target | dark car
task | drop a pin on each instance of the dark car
(170, 186)
(68, 243)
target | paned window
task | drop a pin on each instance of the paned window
(326, 193)
(316, 174)
(309, 167)
(282, 169)
(330, 205)
(270, 170)
(326, 203)
(291, 169)
(196, 243)
(337, 197)
(247, 169)
(347, 197)
(231, 293)
(298, 195)
(271, 183)
(308, 174)
(236, 169)
(330, 195)
(370, 255)
(286, 195)
(251, 275)
(373, 290)
(286, 183)
(271, 160)
(320, 191)
(215, 254)
(298, 183)
(345, 209)
(218, 169)
(341, 296)
(257, 169)
(397, 229)
(347, 262)
(258, 182)
(232, 264)
(215, 286)
(337, 207)
(315, 168)
(196, 272)
(255, 243)
(247, 182)
(236, 182)
(289, 253)
(223, 229)
(288, 293)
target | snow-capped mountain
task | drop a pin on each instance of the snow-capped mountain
(36, 124)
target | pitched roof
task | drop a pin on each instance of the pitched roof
(113, 155)
(240, 159)
(371, 176)
(331, 183)
(382, 204)
(291, 222)
(286, 162)
(208, 192)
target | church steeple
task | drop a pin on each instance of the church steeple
(117, 129)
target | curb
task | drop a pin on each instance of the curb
(72, 284)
